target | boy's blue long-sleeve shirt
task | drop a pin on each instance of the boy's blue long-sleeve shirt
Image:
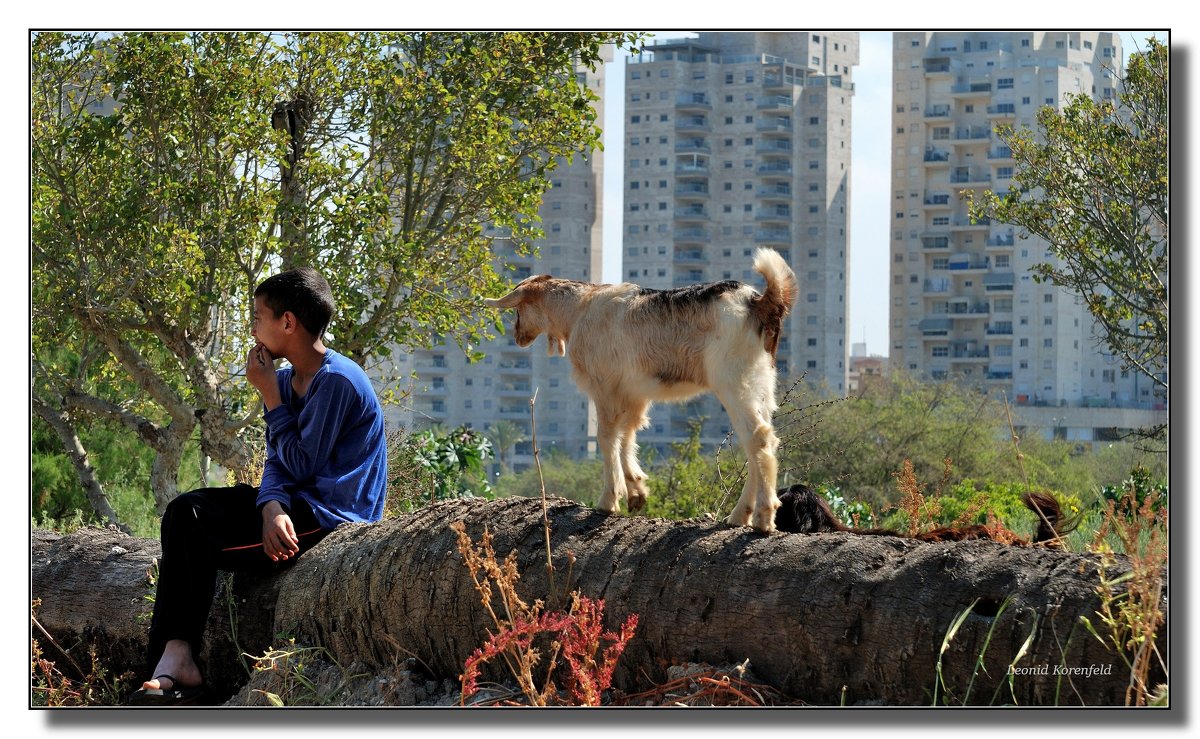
(327, 447)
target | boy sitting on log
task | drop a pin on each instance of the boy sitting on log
(326, 464)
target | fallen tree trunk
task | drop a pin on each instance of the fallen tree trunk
(826, 618)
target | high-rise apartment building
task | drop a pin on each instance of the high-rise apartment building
(449, 391)
(735, 141)
(963, 299)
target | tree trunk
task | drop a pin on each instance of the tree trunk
(826, 618)
(97, 498)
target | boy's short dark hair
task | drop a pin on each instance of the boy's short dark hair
(304, 292)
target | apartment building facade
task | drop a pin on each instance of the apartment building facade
(964, 303)
(736, 141)
(446, 390)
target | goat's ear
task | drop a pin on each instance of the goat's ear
(512, 300)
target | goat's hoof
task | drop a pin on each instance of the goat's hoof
(738, 519)
(764, 524)
(636, 502)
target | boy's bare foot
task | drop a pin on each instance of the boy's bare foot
(175, 669)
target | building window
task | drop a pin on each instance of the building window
(1004, 83)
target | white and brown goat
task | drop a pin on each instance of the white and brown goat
(630, 346)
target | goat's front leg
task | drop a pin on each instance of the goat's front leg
(609, 440)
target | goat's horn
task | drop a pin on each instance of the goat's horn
(511, 300)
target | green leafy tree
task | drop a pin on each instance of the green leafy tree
(455, 461)
(858, 443)
(171, 172)
(1093, 181)
(505, 435)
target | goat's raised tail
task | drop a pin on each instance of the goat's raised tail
(775, 303)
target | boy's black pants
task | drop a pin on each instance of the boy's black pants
(204, 531)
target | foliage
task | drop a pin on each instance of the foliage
(855, 514)
(576, 635)
(290, 671)
(504, 435)
(1142, 489)
(1130, 612)
(1094, 182)
(49, 687)
(121, 463)
(453, 461)
(690, 483)
(858, 443)
(171, 172)
(576, 480)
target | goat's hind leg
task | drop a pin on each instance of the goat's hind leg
(635, 479)
(757, 505)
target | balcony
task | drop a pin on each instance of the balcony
(690, 256)
(778, 215)
(775, 169)
(999, 373)
(1000, 328)
(971, 179)
(1002, 110)
(958, 264)
(938, 201)
(693, 123)
(773, 236)
(934, 326)
(692, 169)
(939, 66)
(775, 192)
(774, 147)
(692, 235)
(774, 126)
(775, 81)
(936, 286)
(929, 241)
(998, 282)
(972, 89)
(692, 146)
(972, 135)
(936, 158)
(1000, 153)
(775, 102)
(521, 388)
(691, 190)
(968, 355)
(936, 112)
(693, 101)
(1003, 241)
(967, 308)
(691, 214)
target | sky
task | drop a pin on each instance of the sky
(870, 181)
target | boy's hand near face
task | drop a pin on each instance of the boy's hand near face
(260, 372)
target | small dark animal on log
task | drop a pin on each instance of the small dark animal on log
(804, 511)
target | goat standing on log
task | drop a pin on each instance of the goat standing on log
(630, 346)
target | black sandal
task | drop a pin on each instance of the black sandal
(172, 696)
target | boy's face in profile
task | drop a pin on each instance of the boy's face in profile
(267, 328)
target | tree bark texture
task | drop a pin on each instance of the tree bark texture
(826, 618)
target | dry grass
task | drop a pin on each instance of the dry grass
(1131, 610)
